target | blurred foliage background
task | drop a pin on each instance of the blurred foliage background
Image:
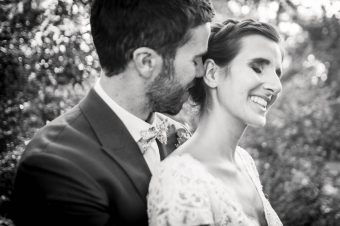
(48, 63)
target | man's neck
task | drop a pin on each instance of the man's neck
(127, 94)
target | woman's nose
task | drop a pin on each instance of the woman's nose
(273, 83)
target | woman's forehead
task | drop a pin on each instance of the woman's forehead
(258, 46)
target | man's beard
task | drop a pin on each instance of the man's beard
(166, 94)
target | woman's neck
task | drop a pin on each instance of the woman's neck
(217, 136)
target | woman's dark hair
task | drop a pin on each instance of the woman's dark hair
(119, 27)
(225, 43)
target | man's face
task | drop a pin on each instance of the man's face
(170, 88)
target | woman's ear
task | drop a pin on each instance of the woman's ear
(146, 61)
(210, 77)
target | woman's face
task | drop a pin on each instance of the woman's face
(251, 82)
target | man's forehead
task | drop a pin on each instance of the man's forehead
(199, 37)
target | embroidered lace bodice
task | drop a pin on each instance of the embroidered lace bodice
(183, 192)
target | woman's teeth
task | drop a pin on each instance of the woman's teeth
(259, 100)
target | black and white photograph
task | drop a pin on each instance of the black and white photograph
(170, 112)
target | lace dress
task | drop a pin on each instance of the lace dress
(183, 192)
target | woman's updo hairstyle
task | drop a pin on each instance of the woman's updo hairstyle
(224, 44)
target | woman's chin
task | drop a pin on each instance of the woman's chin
(258, 122)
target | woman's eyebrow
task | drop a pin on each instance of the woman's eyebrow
(260, 60)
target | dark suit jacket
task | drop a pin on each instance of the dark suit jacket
(83, 168)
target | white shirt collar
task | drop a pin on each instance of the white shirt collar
(133, 124)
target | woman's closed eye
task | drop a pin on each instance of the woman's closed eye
(258, 64)
(256, 68)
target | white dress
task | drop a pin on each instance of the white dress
(183, 192)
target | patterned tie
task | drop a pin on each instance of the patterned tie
(158, 131)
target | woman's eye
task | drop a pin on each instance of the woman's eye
(258, 70)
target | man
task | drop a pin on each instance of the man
(92, 165)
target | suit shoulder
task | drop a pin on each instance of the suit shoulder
(66, 132)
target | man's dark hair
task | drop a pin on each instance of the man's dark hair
(120, 26)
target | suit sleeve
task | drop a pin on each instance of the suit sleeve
(51, 190)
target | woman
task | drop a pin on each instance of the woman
(210, 180)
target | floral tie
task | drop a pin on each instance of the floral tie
(158, 131)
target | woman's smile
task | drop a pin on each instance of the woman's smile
(260, 101)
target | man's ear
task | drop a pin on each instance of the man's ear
(146, 61)
(210, 77)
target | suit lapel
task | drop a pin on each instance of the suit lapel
(166, 149)
(116, 141)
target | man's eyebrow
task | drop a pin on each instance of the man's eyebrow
(202, 53)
